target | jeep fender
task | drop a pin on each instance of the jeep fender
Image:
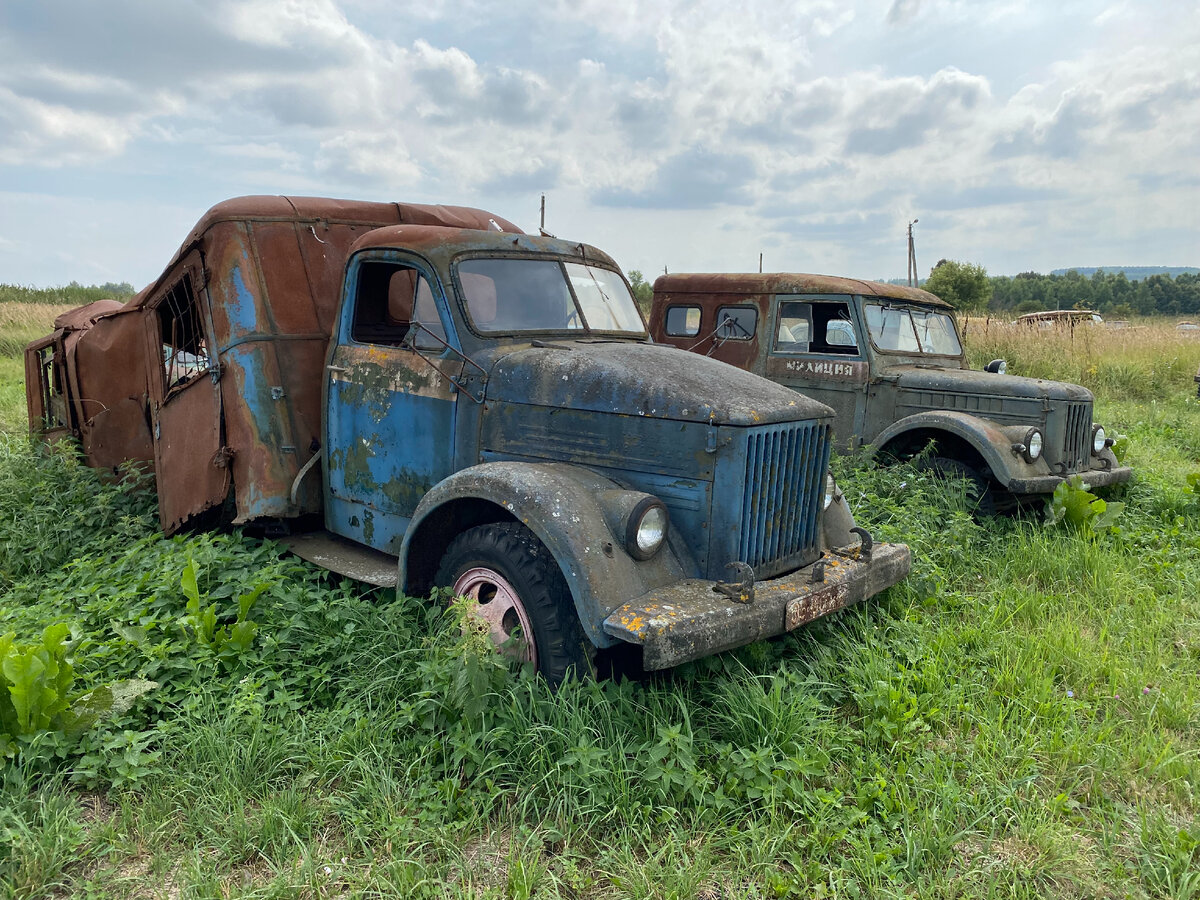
(991, 441)
(568, 508)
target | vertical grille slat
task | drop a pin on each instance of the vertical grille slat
(1077, 436)
(785, 465)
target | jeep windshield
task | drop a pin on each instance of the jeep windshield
(907, 329)
(518, 295)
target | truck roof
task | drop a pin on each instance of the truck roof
(278, 208)
(789, 283)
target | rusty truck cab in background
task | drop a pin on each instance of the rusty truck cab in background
(427, 396)
(890, 361)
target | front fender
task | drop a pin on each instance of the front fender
(991, 441)
(561, 504)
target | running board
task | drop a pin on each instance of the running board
(346, 557)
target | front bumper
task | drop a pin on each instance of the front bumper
(689, 619)
(1045, 484)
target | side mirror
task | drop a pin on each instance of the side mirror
(996, 367)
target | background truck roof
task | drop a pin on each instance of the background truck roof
(788, 283)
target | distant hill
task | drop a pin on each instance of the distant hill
(1133, 273)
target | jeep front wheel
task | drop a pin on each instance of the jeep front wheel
(518, 592)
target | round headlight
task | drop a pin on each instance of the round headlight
(1099, 439)
(647, 529)
(1033, 444)
(830, 488)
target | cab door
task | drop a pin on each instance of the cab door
(390, 405)
(817, 348)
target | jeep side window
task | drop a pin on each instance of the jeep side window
(832, 329)
(736, 323)
(389, 299)
(794, 330)
(185, 351)
(683, 321)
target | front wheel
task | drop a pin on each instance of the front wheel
(520, 594)
(984, 496)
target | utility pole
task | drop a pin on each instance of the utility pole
(542, 227)
(912, 256)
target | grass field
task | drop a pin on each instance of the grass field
(1018, 719)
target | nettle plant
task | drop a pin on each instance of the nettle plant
(36, 697)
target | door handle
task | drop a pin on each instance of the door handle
(342, 370)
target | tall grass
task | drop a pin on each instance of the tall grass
(73, 294)
(1019, 718)
(1147, 360)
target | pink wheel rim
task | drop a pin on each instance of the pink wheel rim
(498, 605)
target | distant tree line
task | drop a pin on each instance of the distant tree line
(968, 287)
(1112, 294)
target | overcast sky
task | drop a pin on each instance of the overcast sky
(692, 135)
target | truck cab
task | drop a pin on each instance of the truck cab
(428, 397)
(889, 360)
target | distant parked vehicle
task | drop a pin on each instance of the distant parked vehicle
(889, 360)
(1061, 318)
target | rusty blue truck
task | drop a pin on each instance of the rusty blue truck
(427, 396)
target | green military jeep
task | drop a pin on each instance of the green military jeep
(890, 362)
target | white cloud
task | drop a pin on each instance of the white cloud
(813, 123)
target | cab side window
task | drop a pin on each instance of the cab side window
(793, 330)
(833, 329)
(390, 300)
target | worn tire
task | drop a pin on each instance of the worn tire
(514, 553)
(985, 497)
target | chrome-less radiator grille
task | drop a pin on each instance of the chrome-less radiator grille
(785, 484)
(1077, 436)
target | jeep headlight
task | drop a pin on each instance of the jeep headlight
(1099, 440)
(830, 489)
(646, 530)
(1033, 444)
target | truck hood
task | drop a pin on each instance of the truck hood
(643, 379)
(971, 381)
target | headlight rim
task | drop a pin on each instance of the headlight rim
(1105, 443)
(1032, 456)
(634, 523)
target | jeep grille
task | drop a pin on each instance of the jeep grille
(785, 484)
(1077, 436)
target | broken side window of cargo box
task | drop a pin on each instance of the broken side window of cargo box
(185, 349)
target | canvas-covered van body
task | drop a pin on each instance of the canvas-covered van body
(889, 360)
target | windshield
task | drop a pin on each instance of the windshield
(514, 295)
(903, 329)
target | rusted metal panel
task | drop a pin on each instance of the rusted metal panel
(114, 426)
(193, 473)
(291, 308)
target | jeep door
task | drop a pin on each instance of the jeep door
(389, 405)
(816, 345)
